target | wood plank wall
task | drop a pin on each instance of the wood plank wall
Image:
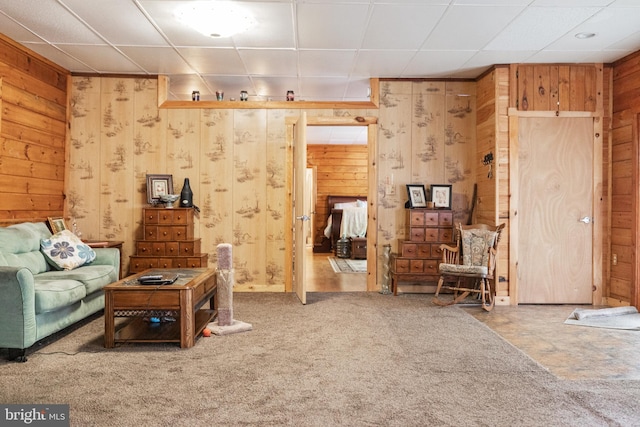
(492, 133)
(624, 179)
(341, 171)
(549, 87)
(32, 135)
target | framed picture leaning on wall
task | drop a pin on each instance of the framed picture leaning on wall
(417, 198)
(441, 195)
(158, 185)
(56, 224)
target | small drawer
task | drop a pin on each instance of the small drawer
(179, 232)
(416, 266)
(172, 248)
(416, 218)
(158, 249)
(151, 216)
(144, 248)
(409, 250)
(436, 252)
(187, 248)
(445, 218)
(431, 266)
(165, 232)
(445, 235)
(431, 235)
(165, 262)
(181, 216)
(431, 218)
(424, 251)
(165, 216)
(150, 232)
(417, 235)
(401, 266)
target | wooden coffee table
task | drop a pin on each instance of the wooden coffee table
(183, 302)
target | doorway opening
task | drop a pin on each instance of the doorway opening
(337, 160)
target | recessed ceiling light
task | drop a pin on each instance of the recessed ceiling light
(215, 18)
(585, 35)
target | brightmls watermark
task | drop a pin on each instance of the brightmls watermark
(34, 415)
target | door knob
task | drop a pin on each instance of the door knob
(585, 219)
(303, 218)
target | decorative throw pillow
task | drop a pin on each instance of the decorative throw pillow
(65, 251)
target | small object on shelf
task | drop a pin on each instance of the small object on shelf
(244, 95)
(195, 95)
(219, 95)
(290, 95)
(169, 199)
(186, 195)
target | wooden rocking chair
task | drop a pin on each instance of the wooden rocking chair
(473, 262)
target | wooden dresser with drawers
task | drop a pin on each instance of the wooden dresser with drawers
(418, 258)
(168, 241)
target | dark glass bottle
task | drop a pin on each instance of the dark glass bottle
(186, 195)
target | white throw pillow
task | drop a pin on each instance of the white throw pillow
(65, 251)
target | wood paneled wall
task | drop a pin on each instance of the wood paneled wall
(341, 171)
(427, 135)
(32, 135)
(492, 206)
(625, 207)
(550, 87)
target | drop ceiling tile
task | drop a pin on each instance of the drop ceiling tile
(274, 26)
(403, 26)
(317, 25)
(323, 89)
(209, 60)
(157, 60)
(564, 56)
(17, 31)
(358, 90)
(103, 59)
(630, 44)
(60, 58)
(470, 27)
(230, 85)
(437, 63)
(326, 62)
(275, 88)
(162, 15)
(609, 26)
(487, 58)
(50, 21)
(536, 27)
(123, 24)
(270, 61)
(381, 63)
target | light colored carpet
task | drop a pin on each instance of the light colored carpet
(347, 265)
(611, 318)
(344, 359)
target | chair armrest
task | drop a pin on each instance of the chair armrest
(17, 308)
(492, 261)
(450, 254)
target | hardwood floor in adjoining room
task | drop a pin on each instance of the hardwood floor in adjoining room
(322, 278)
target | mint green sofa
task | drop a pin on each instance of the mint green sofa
(37, 300)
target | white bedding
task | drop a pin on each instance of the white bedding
(354, 222)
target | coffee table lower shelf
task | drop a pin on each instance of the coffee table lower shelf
(140, 329)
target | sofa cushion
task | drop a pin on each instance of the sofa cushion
(93, 277)
(51, 295)
(20, 246)
(65, 251)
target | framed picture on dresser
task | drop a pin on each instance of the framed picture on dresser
(417, 197)
(441, 195)
(158, 185)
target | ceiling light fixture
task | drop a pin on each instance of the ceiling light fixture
(215, 18)
(585, 35)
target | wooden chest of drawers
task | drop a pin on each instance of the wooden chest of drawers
(418, 258)
(168, 241)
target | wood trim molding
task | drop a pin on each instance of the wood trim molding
(165, 103)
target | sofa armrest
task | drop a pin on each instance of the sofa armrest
(17, 308)
(107, 256)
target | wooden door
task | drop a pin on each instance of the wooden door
(555, 221)
(300, 216)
